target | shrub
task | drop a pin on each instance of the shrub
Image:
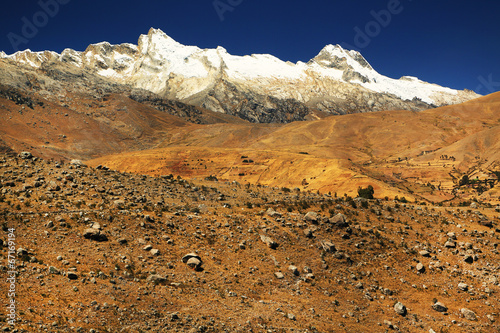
(366, 193)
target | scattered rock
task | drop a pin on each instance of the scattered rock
(194, 263)
(72, 276)
(272, 213)
(400, 309)
(294, 270)
(279, 275)
(468, 314)
(469, 259)
(155, 252)
(439, 307)
(450, 244)
(25, 155)
(339, 220)
(328, 246)
(94, 234)
(269, 241)
(308, 233)
(156, 279)
(424, 253)
(311, 217)
(420, 267)
(462, 286)
(189, 256)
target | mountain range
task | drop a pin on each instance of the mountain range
(256, 88)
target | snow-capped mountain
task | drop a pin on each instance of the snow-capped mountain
(257, 87)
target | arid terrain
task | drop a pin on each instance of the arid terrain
(127, 211)
(101, 251)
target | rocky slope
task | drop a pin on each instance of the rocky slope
(103, 251)
(258, 88)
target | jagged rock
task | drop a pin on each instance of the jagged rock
(400, 309)
(439, 307)
(328, 246)
(468, 314)
(463, 286)
(339, 220)
(311, 217)
(279, 275)
(269, 241)
(155, 252)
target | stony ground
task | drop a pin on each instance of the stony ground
(103, 251)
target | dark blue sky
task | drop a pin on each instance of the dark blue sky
(451, 43)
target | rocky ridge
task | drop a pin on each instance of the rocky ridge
(258, 88)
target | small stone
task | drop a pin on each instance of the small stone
(72, 276)
(490, 317)
(147, 248)
(420, 267)
(468, 314)
(279, 275)
(291, 316)
(400, 309)
(462, 286)
(155, 252)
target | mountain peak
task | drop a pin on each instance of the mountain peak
(335, 56)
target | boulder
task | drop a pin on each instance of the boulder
(420, 267)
